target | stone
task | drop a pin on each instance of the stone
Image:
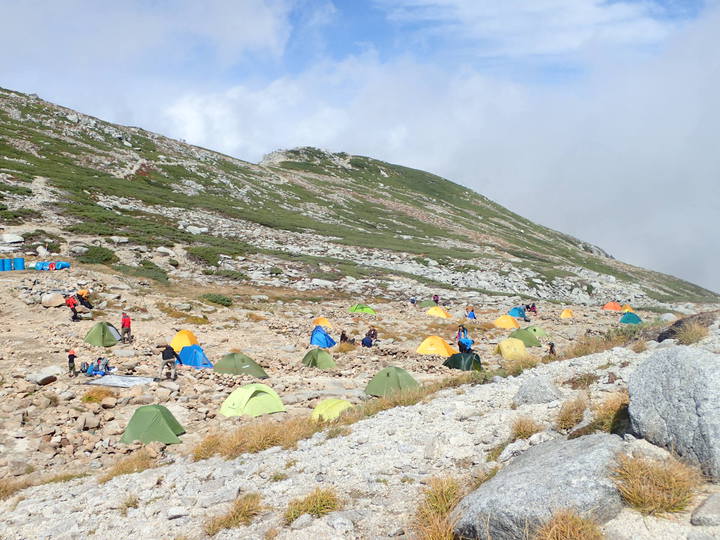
(125, 353)
(513, 450)
(42, 252)
(52, 300)
(166, 252)
(557, 474)
(192, 229)
(175, 512)
(119, 239)
(673, 404)
(536, 390)
(8, 238)
(301, 522)
(183, 306)
(708, 513)
(108, 403)
(170, 385)
(162, 394)
(50, 371)
(79, 250)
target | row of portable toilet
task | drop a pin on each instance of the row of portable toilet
(12, 264)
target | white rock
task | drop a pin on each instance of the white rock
(8, 238)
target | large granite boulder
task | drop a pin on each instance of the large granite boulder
(674, 404)
(49, 300)
(535, 390)
(558, 474)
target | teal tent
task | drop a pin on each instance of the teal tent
(630, 318)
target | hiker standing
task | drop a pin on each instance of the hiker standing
(169, 359)
(125, 332)
(71, 363)
(436, 298)
(71, 302)
(551, 349)
(343, 337)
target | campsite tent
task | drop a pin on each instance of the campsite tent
(102, 335)
(322, 321)
(252, 400)
(628, 307)
(512, 349)
(537, 331)
(389, 380)
(240, 364)
(435, 345)
(318, 358)
(526, 336)
(438, 311)
(329, 409)
(194, 356)
(361, 308)
(321, 338)
(464, 361)
(630, 318)
(152, 423)
(184, 338)
(505, 321)
(427, 303)
(517, 312)
(612, 306)
(567, 314)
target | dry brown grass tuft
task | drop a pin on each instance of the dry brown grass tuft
(96, 395)
(495, 451)
(567, 525)
(432, 519)
(131, 501)
(317, 503)
(242, 512)
(337, 431)
(654, 486)
(691, 333)
(606, 412)
(137, 462)
(595, 344)
(582, 381)
(183, 316)
(344, 347)
(516, 367)
(571, 413)
(639, 347)
(524, 427)
(477, 480)
(256, 317)
(58, 478)
(9, 486)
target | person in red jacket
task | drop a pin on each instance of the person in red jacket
(71, 302)
(125, 332)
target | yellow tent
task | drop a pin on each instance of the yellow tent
(628, 307)
(329, 409)
(567, 314)
(184, 338)
(322, 321)
(437, 311)
(435, 345)
(506, 321)
(512, 349)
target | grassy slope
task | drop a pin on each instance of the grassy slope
(362, 201)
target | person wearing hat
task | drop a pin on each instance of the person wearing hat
(71, 363)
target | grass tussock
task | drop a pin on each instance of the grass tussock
(595, 344)
(609, 415)
(137, 462)
(255, 317)
(656, 487)
(524, 427)
(242, 512)
(432, 518)
(59, 478)
(571, 413)
(516, 367)
(495, 451)
(131, 501)
(96, 395)
(691, 333)
(582, 381)
(9, 486)
(568, 525)
(317, 503)
(344, 347)
(337, 431)
(639, 347)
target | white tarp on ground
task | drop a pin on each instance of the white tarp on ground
(121, 381)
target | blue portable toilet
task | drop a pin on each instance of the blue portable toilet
(18, 263)
(194, 356)
(321, 338)
(5, 265)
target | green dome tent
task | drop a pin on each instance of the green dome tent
(329, 409)
(103, 335)
(527, 337)
(252, 400)
(318, 358)
(427, 303)
(389, 380)
(152, 423)
(537, 331)
(464, 361)
(361, 308)
(240, 364)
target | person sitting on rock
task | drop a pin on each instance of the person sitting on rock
(71, 363)
(345, 339)
(71, 302)
(125, 332)
(169, 360)
(533, 308)
(372, 333)
(367, 341)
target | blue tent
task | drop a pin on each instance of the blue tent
(321, 338)
(517, 312)
(630, 318)
(194, 356)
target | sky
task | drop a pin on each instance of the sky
(597, 118)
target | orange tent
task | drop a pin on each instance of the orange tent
(628, 307)
(612, 306)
